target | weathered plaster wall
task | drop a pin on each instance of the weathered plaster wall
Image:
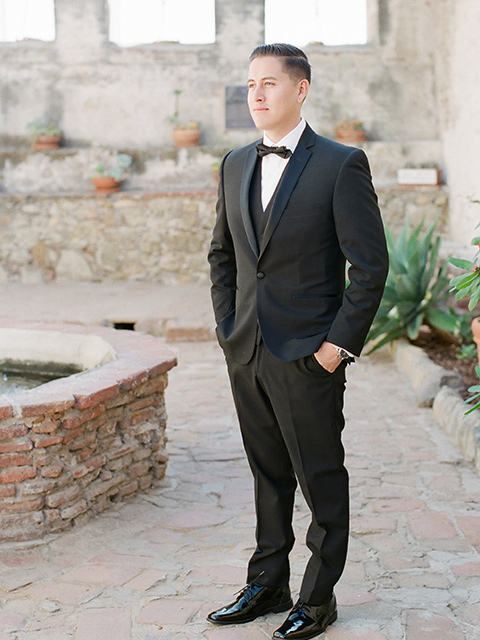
(68, 169)
(458, 79)
(102, 94)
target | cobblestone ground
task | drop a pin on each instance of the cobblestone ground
(151, 569)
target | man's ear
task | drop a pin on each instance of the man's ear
(303, 87)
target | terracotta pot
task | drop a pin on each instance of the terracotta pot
(476, 335)
(105, 184)
(350, 135)
(43, 143)
(186, 137)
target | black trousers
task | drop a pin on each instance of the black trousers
(291, 420)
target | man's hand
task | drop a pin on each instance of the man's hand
(328, 357)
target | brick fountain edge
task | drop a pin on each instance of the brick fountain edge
(73, 446)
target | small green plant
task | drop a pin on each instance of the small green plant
(175, 118)
(468, 284)
(475, 397)
(467, 352)
(415, 287)
(349, 124)
(38, 128)
(422, 165)
(462, 334)
(117, 170)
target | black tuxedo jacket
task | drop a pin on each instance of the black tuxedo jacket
(293, 286)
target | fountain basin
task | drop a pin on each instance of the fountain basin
(73, 446)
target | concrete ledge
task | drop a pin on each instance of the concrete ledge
(449, 412)
(436, 387)
(81, 352)
(426, 377)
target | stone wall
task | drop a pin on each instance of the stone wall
(152, 238)
(416, 204)
(71, 447)
(161, 237)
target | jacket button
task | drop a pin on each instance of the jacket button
(260, 275)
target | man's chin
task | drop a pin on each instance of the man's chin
(260, 123)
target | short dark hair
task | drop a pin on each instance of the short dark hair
(294, 59)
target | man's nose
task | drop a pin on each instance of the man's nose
(258, 94)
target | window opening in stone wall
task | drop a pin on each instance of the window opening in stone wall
(134, 22)
(316, 21)
(27, 20)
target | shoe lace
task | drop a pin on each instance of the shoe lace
(248, 586)
(301, 607)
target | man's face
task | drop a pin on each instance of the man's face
(274, 98)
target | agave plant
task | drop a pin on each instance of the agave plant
(416, 285)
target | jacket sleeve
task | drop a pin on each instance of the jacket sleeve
(362, 241)
(221, 256)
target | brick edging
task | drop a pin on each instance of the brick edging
(72, 446)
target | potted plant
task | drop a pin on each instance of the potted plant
(468, 284)
(108, 175)
(350, 130)
(426, 174)
(44, 136)
(183, 135)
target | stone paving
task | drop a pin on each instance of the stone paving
(152, 568)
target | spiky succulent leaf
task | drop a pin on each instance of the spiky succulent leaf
(414, 287)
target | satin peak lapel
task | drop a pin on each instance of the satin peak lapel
(248, 169)
(287, 184)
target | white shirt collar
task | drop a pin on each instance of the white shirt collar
(291, 139)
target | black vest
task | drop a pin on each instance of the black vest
(258, 215)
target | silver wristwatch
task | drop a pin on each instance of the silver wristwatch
(344, 355)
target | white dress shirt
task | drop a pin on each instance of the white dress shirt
(273, 166)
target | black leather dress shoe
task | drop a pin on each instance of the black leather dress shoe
(307, 620)
(253, 601)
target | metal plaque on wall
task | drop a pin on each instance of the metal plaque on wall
(237, 115)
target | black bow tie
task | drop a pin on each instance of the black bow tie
(263, 150)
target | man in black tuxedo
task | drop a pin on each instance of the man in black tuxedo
(288, 219)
